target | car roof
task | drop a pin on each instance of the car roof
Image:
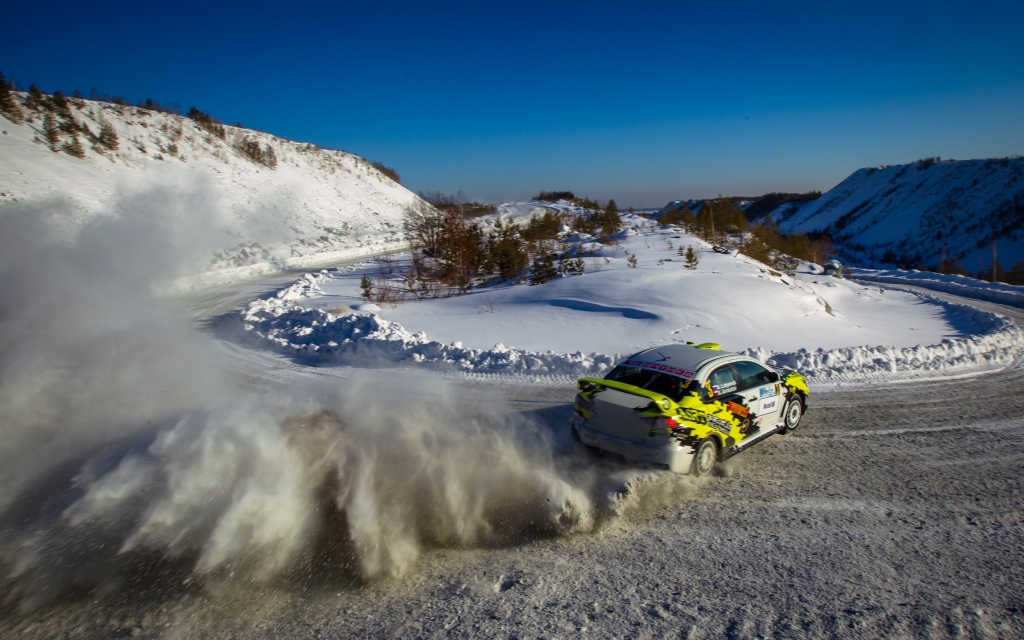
(680, 356)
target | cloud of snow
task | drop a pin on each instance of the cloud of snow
(353, 482)
(87, 354)
(128, 458)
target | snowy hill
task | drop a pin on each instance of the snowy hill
(269, 203)
(915, 213)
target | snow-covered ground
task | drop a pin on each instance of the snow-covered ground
(575, 325)
(314, 207)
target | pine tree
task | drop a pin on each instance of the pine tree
(570, 267)
(108, 136)
(8, 105)
(610, 221)
(691, 258)
(366, 285)
(1016, 274)
(35, 100)
(543, 270)
(51, 132)
(73, 147)
(60, 104)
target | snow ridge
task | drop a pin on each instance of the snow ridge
(279, 322)
(365, 339)
(917, 212)
(964, 286)
(997, 343)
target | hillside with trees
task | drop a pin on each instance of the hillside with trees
(943, 215)
(269, 202)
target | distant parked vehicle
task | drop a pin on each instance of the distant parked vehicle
(686, 407)
(834, 268)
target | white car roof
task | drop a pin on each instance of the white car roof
(676, 358)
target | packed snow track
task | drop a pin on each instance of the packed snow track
(896, 510)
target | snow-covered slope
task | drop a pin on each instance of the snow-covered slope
(910, 214)
(307, 205)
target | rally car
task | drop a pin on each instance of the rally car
(687, 407)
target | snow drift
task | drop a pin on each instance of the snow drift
(963, 286)
(361, 339)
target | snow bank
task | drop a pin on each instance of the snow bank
(997, 343)
(956, 284)
(365, 339)
(281, 323)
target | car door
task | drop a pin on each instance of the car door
(722, 386)
(762, 392)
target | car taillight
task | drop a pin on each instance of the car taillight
(583, 403)
(672, 424)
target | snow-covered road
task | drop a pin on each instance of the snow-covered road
(896, 510)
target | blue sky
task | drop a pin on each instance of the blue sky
(643, 102)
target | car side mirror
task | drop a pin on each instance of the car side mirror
(773, 376)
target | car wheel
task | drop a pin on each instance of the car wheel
(793, 412)
(705, 458)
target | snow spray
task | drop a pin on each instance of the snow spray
(127, 458)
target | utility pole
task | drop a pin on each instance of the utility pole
(711, 212)
(995, 256)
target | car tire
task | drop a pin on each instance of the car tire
(704, 458)
(793, 413)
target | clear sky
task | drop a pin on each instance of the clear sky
(639, 101)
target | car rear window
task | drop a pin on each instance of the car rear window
(656, 381)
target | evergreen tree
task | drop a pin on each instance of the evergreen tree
(1016, 274)
(108, 136)
(610, 221)
(366, 285)
(543, 270)
(60, 104)
(51, 132)
(691, 258)
(73, 147)
(570, 267)
(35, 100)
(8, 105)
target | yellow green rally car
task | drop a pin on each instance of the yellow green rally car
(687, 407)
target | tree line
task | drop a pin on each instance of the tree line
(720, 222)
(452, 252)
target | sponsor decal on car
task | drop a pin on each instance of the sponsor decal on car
(694, 415)
(767, 392)
(725, 388)
(738, 409)
(659, 366)
(720, 424)
(769, 405)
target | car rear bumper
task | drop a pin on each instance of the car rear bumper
(676, 457)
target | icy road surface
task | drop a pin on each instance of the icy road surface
(894, 511)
